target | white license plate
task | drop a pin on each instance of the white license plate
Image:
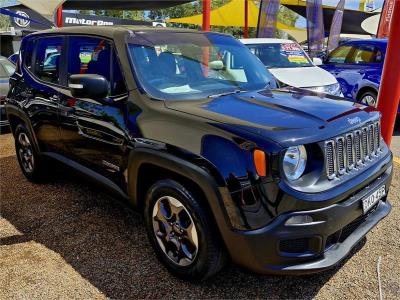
(372, 199)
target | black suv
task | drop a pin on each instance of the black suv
(190, 129)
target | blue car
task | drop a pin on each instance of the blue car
(357, 66)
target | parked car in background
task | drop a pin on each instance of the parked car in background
(358, 65)
(13, 57)
(6, 70)
(220, 164)
(291, 66)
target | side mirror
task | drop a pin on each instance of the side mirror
(90, 86)
(317, 61)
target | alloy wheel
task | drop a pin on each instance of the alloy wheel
(175, 231)
(369, 100)
(25, 152)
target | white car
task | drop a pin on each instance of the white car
(291, 66)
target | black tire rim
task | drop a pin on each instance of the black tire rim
(25, 153)
(369, 100)
(175, 231)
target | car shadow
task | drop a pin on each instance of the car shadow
(106, 243)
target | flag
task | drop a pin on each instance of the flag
(386, 16)
(267, 18)
(315, 27)
(336, 26)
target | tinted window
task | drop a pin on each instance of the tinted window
(281, 55)
(183, 66)
(47, 59)
(366, 54)
(339, 55)
(89, 55)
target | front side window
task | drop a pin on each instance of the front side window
(281, 55)
(339, 55)
(366, 54)
(47, 59)
(178, 66)
(90, 55)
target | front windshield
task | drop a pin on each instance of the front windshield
(281, 55)
(183, 66)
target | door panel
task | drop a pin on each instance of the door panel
(41, 91)
(94, 132)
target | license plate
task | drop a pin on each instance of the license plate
(372, 199)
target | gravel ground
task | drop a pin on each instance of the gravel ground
(68, 239)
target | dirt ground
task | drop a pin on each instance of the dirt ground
(68, 239)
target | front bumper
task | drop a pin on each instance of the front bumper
(311, 247)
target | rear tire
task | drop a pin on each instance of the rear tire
(30, 162)
(369, 98)
(181, 233)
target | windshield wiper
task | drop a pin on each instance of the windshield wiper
(224, 94)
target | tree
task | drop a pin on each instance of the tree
(122, 14)
(5, 22)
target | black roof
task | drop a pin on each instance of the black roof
(110, 31)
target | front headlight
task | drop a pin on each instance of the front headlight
(294, 162)
(332, 89)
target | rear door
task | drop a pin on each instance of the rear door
(94, 132)
(39, 91)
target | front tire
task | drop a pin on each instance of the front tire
(181, 232)
(369, 98)
(29, 160)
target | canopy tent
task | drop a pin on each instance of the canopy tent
(47, 8)
(232, 14)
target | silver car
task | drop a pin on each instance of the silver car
(7, 68)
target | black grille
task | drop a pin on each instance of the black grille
(330, 159)
(354, 148)
(350, 151)
(341, 155)
(364, 143)
(294, 245)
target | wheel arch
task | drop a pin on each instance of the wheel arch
(365, 89)
(146, 166)
(17, 116)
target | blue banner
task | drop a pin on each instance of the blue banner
(267, 18)
(20, 16)
(315, 27)
(336, 27)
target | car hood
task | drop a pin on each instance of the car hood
(287, 118)
(303, 77)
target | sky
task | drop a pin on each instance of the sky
(350, 4)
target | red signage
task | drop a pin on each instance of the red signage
(386, 16)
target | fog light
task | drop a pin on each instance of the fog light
(297, 220)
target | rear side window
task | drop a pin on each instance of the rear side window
(47, 59)
(91, 55)
(340, 55)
